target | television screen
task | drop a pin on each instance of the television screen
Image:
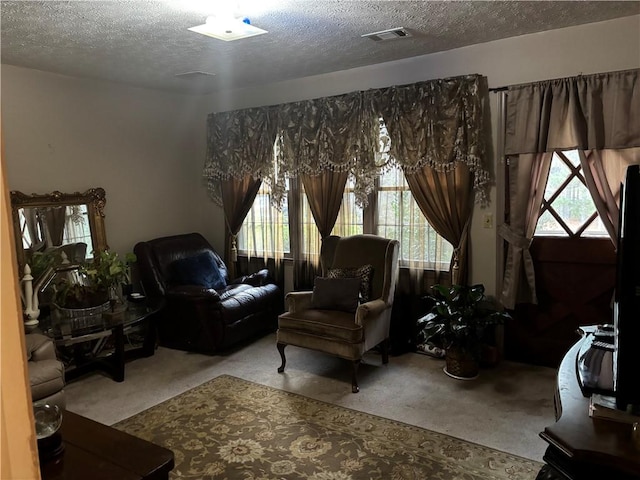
(627, 299)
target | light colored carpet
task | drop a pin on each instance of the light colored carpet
(230, 428)
(505, 408)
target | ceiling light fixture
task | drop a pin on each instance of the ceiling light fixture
(228, 28)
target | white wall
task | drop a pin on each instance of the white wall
(145, 148)
(597, 47)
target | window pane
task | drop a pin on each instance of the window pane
(399, 217)
(558, 174)
(573, 202)
(349, 221)
(265, 231)
(549, 226)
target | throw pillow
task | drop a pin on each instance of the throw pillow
(364, 273)
(336, 294)
(201, 269)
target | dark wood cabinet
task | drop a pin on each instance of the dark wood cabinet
(581, 447)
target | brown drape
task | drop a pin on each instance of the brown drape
(604, 170)
(237, 198)
(599, 111)
(594, 112)
(527, 180)
(55, 218)
(324, 193)
(430, 123)
(446, 199)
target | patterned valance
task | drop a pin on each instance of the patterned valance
(436, 123)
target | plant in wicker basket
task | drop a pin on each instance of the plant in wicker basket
(95, 283)
(458, 321)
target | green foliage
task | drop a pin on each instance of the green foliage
(459, 317)
(41, 261)
(95, 282)
(108, 270)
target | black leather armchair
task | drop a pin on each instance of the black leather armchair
(195, 317)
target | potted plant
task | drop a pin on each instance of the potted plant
(94, 284)
(458, 321)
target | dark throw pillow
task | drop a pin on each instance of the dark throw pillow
(201, 269)
(364, 273)
(336, 294)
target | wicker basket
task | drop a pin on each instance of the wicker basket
(80, 318)
(461, 363)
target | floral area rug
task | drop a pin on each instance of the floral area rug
(230, 428)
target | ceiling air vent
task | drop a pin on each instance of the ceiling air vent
(196, 75)
(383, 35)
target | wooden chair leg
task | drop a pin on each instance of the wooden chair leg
(284, 360)
(354, 379)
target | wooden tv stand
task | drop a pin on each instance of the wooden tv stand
(581, 447)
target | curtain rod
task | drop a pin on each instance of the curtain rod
(498, 89)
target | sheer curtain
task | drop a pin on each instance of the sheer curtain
(237, 198)
(266, 230)
(594, 113)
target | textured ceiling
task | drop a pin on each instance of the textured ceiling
(146, 43)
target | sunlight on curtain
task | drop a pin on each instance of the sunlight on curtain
(399, 217)
(350, 216)
(265, 231)
(349, 222)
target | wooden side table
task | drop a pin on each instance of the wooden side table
(581, 447)
(99, 452)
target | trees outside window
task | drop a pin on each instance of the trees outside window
(395, 215)
(568, 209)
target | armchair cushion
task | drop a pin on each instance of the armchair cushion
(326, 324)
(201, 269)
(364, 273)
(336, 294)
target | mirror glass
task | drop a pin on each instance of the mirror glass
(58, 222)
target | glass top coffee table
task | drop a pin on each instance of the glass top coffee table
(103, 339)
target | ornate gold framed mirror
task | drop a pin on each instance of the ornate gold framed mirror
(57, 220)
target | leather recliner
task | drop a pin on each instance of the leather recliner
(200, 319)
(46, 372)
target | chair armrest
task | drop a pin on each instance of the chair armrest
(371, 309)
(298, 301)
(257, 279)
(39, 347)
(192, 293)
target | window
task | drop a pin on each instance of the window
(265, 231)
(399, 217)
(76, 227)
(350, 216)
(567, 208)
(349, 221)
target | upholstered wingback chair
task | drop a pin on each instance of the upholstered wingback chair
(329, 321)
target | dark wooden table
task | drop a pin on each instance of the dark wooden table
(99, 452)
(581, 447)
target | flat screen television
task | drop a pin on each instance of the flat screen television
(626, 357)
